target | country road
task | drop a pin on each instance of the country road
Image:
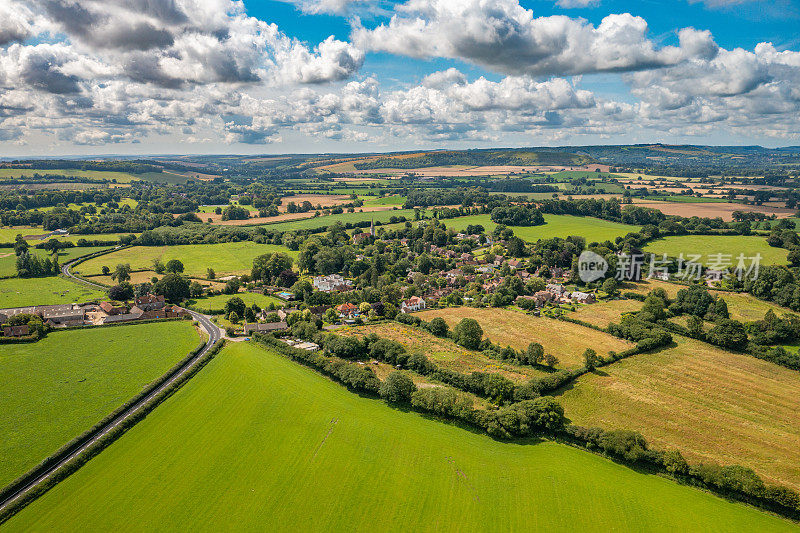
(83, 445)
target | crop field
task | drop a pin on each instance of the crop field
(710, 404)
(565, 340)
(592, 229)
(290, 450)
(603, 313)
(711, 209)
(8, 260)
(729, 245)
(218, 300)
(57, 388)
(741, 306)
(17, 292)
(444, 352)
(224, 258)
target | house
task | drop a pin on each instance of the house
(663, 276)
(111, 309)
(347, 310)
(583, 297)
(466, 257)
(543, 297)
(485, 269)
(556, 288)
(415, 303)
(265, 328)
(331, 283)
(148, 302)
(715, 275)
(16, 331)
(514, 263)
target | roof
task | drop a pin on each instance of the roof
(269, 326)
(149, 299)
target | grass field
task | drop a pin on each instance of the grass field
(56, 388)
(710, 404)
(121, 177)
(592, 229)
(9, 233)
(255, 442)
(731, 245)
(218, 301)
(8, 260)
(318, 222)
(603, 313)
(224, 258)
(444, 352)
(17, 292)
(565, 340)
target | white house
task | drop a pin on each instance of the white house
(331, 283)
(415, 303)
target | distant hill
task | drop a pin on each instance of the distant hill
(474, 158)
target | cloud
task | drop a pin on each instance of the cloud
(570, 4)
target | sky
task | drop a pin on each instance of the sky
(147, 77)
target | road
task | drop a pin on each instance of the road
(81, 446)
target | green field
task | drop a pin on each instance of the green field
(593, 229)
(9, 234)
(121, 177)
(17, 292)
(224, 258)
(318, 222)
(732, 245)
(57, 388)
(218, 301)
(256, 442)
(8, 260)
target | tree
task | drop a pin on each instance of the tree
(590, 358)
(397, 388)
(235, 305)
(233, 317)
(550, 360)
(468, 333)
(268, 266)
(439, 327)
(173, 287)
(695, 326)
(105, 270)
(158, 266)
(121, 292)
(122, 273)
(728, 334)
(174, 265)
(142, 289)
(331, 316)
(210, 274)
(535, 354)
(195, 289)
(232, 286)
(610, 286)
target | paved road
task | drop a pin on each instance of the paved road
(81, 446)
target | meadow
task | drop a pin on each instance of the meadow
(592, 229)
(224, 258)
(317, 222)
(18, 292)
(444, 352)
(290, 450)
(8, 259)
(601, 314)
(218, 300)
(120, 177)
(565, 340)
(731, 245)
(57, 388)
(710, 404)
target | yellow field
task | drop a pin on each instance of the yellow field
(565, 340)
(443, 352)
(603, 313)
(710, 404)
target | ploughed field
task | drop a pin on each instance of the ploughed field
(224, 258)
(712, 405)
(256, 442)
(55, 389)
(565, 340)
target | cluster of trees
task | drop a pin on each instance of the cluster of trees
(235, 212)
(517, 215)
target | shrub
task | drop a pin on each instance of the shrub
(397, 388)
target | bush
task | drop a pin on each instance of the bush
(468, 333)
(398, 388)
(438, 327)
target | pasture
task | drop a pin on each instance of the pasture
(710, 404)
(728, 245)
(224, 258)
(17, 292)
(383, 217)
(218, 300)
(565, 340)
(444, 352)
(592, 229)
(601, 314)
(57, 388)
(290, 450)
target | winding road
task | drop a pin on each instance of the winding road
(90, 439)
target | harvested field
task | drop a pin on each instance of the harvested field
(712, 209)
(603, 313)
(565, 340)
(443, 352)
(710, 404)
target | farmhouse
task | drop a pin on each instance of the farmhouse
(331, 283)
(148, 302)
(583, 297)
(415, 303)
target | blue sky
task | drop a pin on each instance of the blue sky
(268, 76)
